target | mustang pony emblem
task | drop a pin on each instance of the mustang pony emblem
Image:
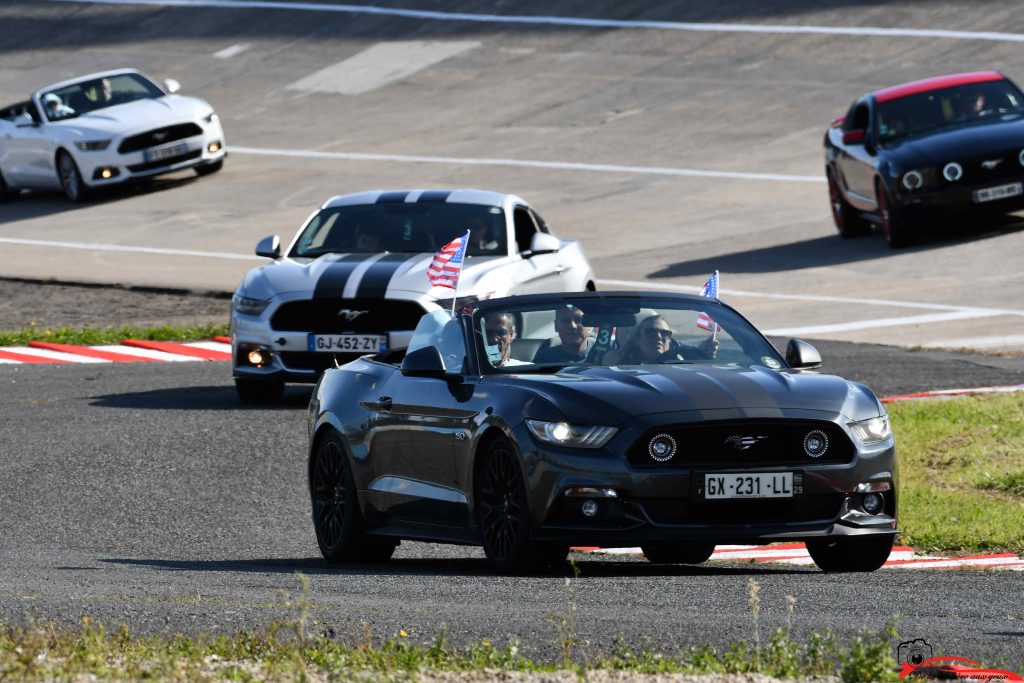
(159, 137)
(349, 315)
(992, 163)
(743, 443)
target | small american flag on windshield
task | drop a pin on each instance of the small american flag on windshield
(710, 290)
(446, 267)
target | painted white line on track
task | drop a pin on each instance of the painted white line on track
(529, 163)
(128, 249)
(881, 322)
(576, 22)
(146, 353)
(229, 52)
(210, 346)
(978, 342)
(51, 355)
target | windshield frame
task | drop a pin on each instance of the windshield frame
(154, 89)
(660, 301)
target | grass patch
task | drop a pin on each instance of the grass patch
(961, 486)
(93, 336)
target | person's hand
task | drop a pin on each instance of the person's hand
(709, 347)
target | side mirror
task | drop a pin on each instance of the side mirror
(171, 86)
(425, 362)
(802, 356)
(25, 120)
(270, 247)
(543, 243)
(854, 137)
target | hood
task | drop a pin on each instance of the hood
(141, 115)
(998, 137)
(611, 396)
(398, 275)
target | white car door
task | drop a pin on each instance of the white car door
(30, 154)
(535, 273)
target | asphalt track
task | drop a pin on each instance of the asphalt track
(147, 494)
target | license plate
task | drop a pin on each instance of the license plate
(348, 343)
(1001, 192)
(165, 152)
(719, 486)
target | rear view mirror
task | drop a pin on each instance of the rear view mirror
(802, 356)
(171, 86)
(270, 247)
(424, 362)
(543, 243)
(854, 137)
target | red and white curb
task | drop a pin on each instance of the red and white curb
(948, 393)
(902, 557)
(128, 351)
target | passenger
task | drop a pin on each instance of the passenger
(500, 328)
(55, 109)
(652, 342)
(575, 338)
(480, 235)
(367, 241)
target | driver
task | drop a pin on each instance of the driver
(55, 109)
(576, 339)
(653, 343)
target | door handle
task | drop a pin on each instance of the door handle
(384, 403)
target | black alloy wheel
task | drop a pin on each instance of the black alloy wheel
(848, 222)
(893, 226)
(693, 552)
(336, 517)
(256, 391)
(503, 516)
(851, 554)
(207, 169)
(70, 179)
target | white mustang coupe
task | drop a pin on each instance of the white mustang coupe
(353, 281)
(104, 129)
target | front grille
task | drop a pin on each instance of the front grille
(720, 444)
(331, 316)
(159, 136)
(800, 509)
(1007, 169)
(139, 168)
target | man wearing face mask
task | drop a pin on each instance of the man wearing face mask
(575, 338)
(500, 329)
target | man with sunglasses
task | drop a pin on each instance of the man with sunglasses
(653, 343)
(500, 330)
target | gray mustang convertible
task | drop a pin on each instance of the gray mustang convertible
(531, 424)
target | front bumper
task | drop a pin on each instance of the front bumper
(956, 201)
(199, 150)
(667, 504)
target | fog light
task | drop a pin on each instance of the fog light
(872, 503)
(258, 357)
(213, 147)
(105, 173)
(589, 508)
(662, 447)
(815, 443)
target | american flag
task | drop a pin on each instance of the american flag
(444, 270)
(710, 290)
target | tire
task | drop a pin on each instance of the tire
(70, 179)
(256, 391)
(893, 226)
(503, 516)
(694, 552)
(6, 193)
(848, 222)
(208, 169)
(336, 518)
(851, 554)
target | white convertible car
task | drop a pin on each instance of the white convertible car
(104, 129)
(354, 281)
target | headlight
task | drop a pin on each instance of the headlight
(873, 430)
(952, 171)
(565, 434)
(92, 145)
(912, 180)
(211, 117)
(243, 304)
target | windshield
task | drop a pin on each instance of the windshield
(71, 101)
(930, 112)
(403, 227)
(620, 331)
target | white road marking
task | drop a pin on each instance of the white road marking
(51, 355)
(131, 250)
(979, 342)
(530, 163)
(577, 22)
(210, 346)
(146, 353)
(380, 65)
(881, 322)
(229, 52)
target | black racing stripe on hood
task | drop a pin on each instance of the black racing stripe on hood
(392, 197)
(434, 196)
(332, 282)
(375, 281)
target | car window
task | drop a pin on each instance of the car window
(542, 225)
(439, 329)
(618, 332)
(930, 112)
(73, 100)
(525, 228)
(417, 227)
